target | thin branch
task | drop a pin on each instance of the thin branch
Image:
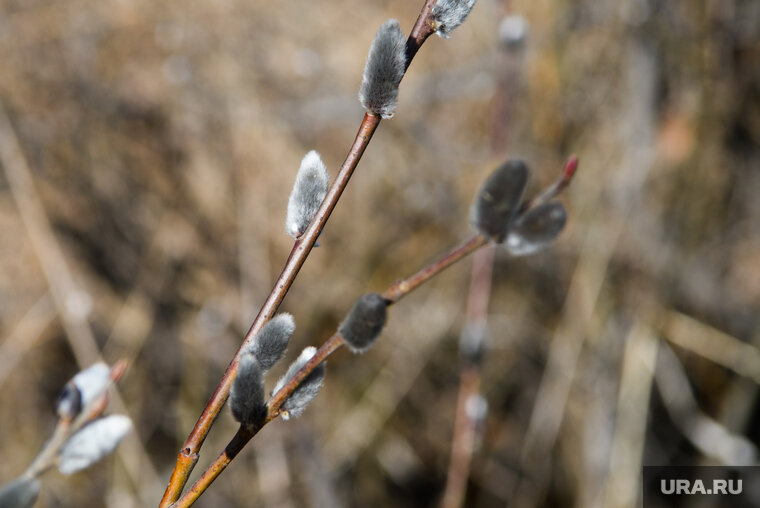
(627, 450)
(465, 432)
(568, 171)
(188, 455)
(405, 286)
(25, 334)
(463, 440)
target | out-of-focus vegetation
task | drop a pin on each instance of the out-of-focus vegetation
(162, 139)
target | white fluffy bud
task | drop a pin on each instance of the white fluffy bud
(449, 14)
(308, 193)
(92, 443)
(386, 63)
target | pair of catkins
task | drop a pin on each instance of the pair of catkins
(248, 404)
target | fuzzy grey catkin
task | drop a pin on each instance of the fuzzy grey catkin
(20, 493)
(364, 322)
(309, 190)
(92, 383)
(92, 443)
(386, 63)
(449, 14)
(270, 343)
(247, 393)
(498, 199)
(536, 228)
(295, 405)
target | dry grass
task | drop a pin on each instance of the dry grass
(162, 139)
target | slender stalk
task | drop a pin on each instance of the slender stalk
(568, 171)
(393, 294)
(188, 455)
(421, 30)
(46, 459)
(465, 427)
(239, 440)
(463, 441)
(405, 286)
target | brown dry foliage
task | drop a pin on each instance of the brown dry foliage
(163, 138)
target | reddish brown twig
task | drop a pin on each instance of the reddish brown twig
(463, 440)
(471, 343)
(568, 171)
(403, 287)
(395, 293)
(188, 455)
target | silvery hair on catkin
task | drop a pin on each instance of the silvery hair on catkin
(309, 190)
(386, 63)
(449, 14)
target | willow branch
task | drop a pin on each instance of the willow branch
(465, 433)
(188, 455)
(393, 294)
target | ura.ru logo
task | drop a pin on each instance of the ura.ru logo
(717, 486)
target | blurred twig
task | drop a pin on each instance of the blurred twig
(466, 424)
(716, 346)
(466, 421)
(707, 434)
(25, 334)
(628, 440)
(71, 302)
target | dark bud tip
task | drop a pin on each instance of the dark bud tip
(364, 322)
(498, 199)
(536, 228)
(247, 393)
(69, 402)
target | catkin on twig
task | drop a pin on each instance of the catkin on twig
(364, 322)
(271, 342)
(536, 228)
(309, 190)
(247, 393)
(498, 199)
(449, 14)
(93, 442)
(297, 402)
(386, 63)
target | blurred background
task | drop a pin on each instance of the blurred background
(145, 220)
